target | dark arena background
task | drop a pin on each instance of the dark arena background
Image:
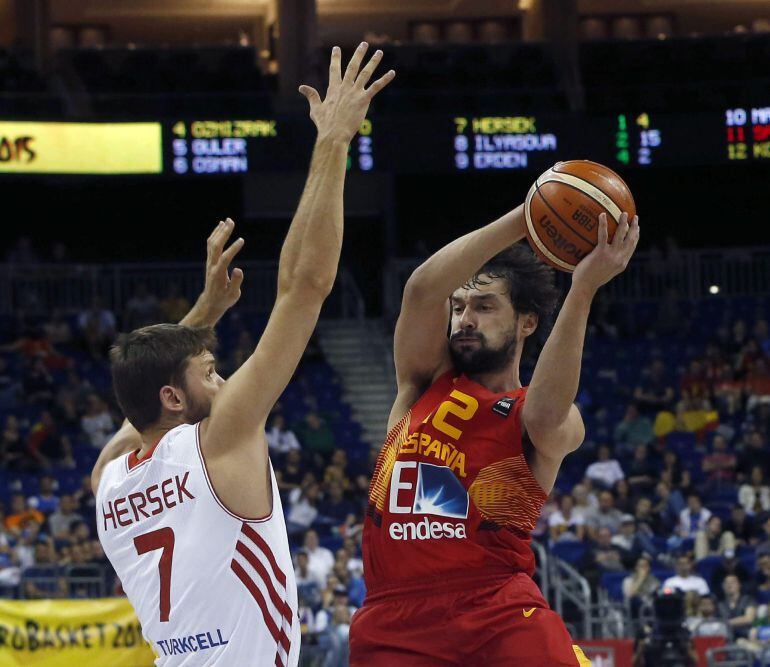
(129, 128)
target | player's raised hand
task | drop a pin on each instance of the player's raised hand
(607, 259)
(223, 287)
(347, 99)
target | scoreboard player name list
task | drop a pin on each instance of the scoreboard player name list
(499, 142)
(217, 147)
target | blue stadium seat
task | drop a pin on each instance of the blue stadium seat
(571, 551)
(707, 566)
(612, 582)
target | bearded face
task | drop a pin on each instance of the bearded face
(485, 327)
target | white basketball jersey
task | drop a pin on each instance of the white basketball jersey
(209, 587)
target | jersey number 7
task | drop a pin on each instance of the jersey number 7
(162, 538)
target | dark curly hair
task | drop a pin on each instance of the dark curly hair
(531, 287)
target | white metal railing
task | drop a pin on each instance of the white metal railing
(37, 290)
(741, 271)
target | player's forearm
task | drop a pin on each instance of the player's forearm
(555, 380)
(202, 314)
(127, 439)
(311, 251)
(456, 263)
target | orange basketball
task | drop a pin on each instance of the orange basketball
(563, 207)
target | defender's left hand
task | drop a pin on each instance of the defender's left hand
(223, 288)
(607, 259)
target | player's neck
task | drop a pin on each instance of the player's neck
(153, 435)
(506, 379)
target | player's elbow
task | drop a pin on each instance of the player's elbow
(419, 287)
(307, 284)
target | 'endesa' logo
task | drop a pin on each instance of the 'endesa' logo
(18, 149)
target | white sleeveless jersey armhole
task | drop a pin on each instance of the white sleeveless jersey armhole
(210, 588)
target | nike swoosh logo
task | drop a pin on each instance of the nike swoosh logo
(528, 612)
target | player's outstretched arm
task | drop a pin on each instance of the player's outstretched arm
(233, 439)
(221, 291)
(552, 421)
(421, 351)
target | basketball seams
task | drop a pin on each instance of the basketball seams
(588, 189)
(539, 245)
(562, 220)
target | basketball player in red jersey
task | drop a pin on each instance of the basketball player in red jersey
(471, 455)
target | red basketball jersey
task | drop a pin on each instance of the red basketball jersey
(452, 495)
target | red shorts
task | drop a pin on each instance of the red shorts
(505, 621)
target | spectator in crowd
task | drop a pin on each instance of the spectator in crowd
(566, 524)
(693, 518)
(585, 501)
(742, 526)
(719, 466)
(9, 386)
(37, 383)
(627, 541)
(244, 347)
(606, 515)
(648, 525)
(10, 572)
(738, 609)
(334, 509)
(624, 501)
(605, 471)
(706, 621)
(677, 476)
(761, 582)
(85, 502)
(320, 559)
(316, 436)
(641, 584)
(303, 506)
(97, 422)
(142, 309)
(754, 494)
(35, 345)
(713, 540)
(46, 445)
(46, 499)
(654, 393)
(635, 429)
(53, 585)
(730, 564)
(58, 329)
(332, 623)
(685, 580)
(641, 472)
(11, 447)
(694, 385)
(175, 306)
(309, 583)
(97, 326)
(280, 439)
(21, 516)
(603, 556)
(763, 539)
(64, 518)
(291, 474)
(753, 454)
(757, 384)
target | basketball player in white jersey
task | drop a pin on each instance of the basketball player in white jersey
(190, 517)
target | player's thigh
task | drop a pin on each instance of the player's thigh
(535, 637)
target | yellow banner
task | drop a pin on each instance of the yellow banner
(80, 148)
(67, 633)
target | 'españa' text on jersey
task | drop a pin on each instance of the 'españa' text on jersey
(452, 494)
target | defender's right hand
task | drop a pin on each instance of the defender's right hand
(340, 114)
